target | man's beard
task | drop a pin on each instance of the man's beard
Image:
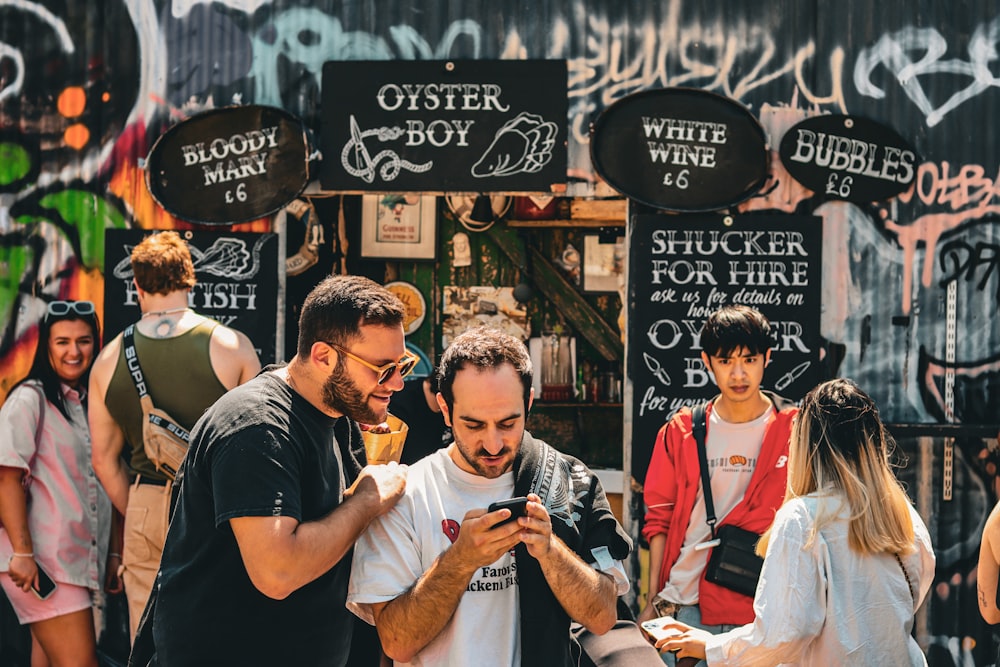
(342, 395)
(472, 458)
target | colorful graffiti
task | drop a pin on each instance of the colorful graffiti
(911, 287)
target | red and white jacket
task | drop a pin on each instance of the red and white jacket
(672, 482)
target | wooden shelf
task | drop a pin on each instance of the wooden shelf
(583, 222)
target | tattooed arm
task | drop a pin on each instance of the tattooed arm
(989, 566)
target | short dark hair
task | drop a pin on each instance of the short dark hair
(161, 264)
(483, 347)
(41, 366)
(336, 309)
(733, 327)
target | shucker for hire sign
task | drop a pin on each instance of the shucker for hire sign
(229, 165)
(444, 126)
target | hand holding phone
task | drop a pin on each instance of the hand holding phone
(518, 507)
(45, 587)
(655, 630)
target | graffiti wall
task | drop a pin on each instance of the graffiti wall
(910, 287)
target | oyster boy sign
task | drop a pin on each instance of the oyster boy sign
(459, 126)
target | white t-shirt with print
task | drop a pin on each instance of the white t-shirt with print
(732, 451)
(402, 544)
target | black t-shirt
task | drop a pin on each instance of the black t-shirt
(261, 450)
(428, 432)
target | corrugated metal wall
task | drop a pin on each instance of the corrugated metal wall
(86, 86)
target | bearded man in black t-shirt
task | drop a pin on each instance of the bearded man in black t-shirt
(274, 492)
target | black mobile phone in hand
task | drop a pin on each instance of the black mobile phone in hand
(518, 507)
(46, 586)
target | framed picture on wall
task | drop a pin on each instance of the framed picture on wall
(603, 264)
(399, 226)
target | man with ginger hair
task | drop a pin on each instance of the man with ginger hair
(188, 362)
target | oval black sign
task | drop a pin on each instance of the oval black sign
(229, 165)
(849, 158)
(680, 149)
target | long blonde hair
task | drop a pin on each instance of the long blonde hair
(838, 440)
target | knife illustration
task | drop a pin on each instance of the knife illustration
(654, 366)
(361, 157)
(791, 376)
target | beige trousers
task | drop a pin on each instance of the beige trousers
(146, 519)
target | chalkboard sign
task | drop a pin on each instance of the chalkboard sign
(237, 284)
(684, 267)
(455, 126)
(680, 149)
(229, 165)
(849, 158)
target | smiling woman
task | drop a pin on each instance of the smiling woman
(71, 350)
(44, 435)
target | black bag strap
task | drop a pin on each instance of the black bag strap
(135, 372)
(699, 430)
(132, 361)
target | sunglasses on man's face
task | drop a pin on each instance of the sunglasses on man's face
(405, 365)
(60, 308)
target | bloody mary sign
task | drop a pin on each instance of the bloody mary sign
(456, 126)
(229, 165)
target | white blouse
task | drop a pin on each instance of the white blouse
(69, 514)
(825, 604)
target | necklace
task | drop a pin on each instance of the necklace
(169, 311)
(165, 327)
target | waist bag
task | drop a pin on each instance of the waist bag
(733, 563)
(163, 439)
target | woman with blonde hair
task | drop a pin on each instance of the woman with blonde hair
(847, 560)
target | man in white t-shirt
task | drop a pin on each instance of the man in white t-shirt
(447, 583)
(747, 452)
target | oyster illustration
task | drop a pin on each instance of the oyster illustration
(523, 145)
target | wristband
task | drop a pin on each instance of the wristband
(27, 555)
(114, 555)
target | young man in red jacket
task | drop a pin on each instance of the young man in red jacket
(747, 448)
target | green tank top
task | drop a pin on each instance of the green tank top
(179, 378)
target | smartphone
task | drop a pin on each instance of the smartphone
(518, 507)
(46, 586)
(656, 631)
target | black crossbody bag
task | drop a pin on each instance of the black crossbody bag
(733, 564)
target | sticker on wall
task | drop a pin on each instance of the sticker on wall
(849, 158)
(468, 307)
(461, 249)
(413, 300)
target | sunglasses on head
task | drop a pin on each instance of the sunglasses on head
(405, 365)
(60, 308)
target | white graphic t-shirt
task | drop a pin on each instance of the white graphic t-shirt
(401, 545)
(732, 451)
